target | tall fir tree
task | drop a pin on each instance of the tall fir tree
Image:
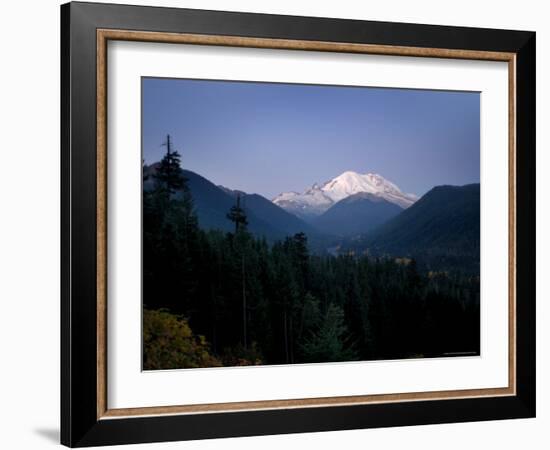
(237, 215)
(170, 236)
(168, 176)
(330, 341)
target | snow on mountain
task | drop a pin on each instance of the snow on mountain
(311, 203)
(317, 199)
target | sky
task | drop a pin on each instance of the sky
(269, 138)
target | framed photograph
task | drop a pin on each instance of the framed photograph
(277, 224)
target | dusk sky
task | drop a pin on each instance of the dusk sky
(269, 138)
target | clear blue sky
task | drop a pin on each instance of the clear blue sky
(268, 138)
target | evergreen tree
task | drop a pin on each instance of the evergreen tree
(237, 215)
(171, 247)
(168, 176)
(328, 343)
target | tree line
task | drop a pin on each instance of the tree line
(212, 298)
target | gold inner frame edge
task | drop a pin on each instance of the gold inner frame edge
(104, 35)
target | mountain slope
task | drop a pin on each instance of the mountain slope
(442, 229)
(318, 199)
(272, 214)
(357, 214)
(212, 203)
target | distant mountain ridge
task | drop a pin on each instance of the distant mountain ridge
(356, 214)
(442, 229)
(212, 203)
(319, 198)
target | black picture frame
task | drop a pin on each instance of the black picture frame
(80, 425)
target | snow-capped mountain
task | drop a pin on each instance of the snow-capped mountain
(319, 198)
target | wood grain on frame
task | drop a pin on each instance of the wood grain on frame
(101, 223)
(104, 35)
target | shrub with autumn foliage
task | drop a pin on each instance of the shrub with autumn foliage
(169, 343)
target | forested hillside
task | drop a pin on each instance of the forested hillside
(442, 230)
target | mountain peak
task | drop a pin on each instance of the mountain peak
(374, 176)
(349, 173)
(317, 199)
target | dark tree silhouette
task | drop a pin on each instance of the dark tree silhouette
(168, 175)
(237, 215)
